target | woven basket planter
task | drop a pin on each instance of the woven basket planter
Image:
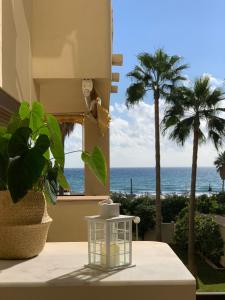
(23, 226)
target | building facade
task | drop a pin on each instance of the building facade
(53, 51)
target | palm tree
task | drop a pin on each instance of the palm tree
(158, 73)
(220, 166)
(195, 111)
(66, 129)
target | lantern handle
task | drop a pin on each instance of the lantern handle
(106, 201)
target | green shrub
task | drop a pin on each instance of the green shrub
(147, 216)
(215, 204)
(124, 200)
(171, 207)
(207, 205)
(208, 238)
(142, 207)
(220, 198)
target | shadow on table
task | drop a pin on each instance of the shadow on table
(83, 275)
(10, 263)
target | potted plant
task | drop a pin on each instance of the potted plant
(31, 171)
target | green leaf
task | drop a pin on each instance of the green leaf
(47, 155)
(3, 131)
(18, 144)
(44, 130)
(18, 185)
(97, 163)
(24, 110)
(3, 145)
(62, 180)
(29, 167)
(49, 192)
(4, 162)
(51, 185)
(16, 122)
(36, 116)
(42, 144)
(56, 145)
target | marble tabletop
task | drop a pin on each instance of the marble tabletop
(63, 264)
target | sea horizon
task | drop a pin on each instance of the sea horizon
(173, 180)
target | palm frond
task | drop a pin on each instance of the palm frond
(220, 161)
(199, 102)
(215, 97)
(146, 60)
(182, 130)
(158, 72)
(201, 136)
(216, 139)
(202, 87)
(135, 93)
(216, 124)
(136, 75)
(66, 129)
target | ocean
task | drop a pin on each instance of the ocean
(173, 180)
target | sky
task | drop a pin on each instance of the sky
(194, 29)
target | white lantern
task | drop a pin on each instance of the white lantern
(109, 238)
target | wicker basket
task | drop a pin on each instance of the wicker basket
(23, 226)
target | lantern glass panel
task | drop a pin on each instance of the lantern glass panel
(110, 242)
(120, 245)
(96, 240)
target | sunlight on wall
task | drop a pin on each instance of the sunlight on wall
(74, 167)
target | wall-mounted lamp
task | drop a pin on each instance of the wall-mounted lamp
(87, 87)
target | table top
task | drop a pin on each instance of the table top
(62, 264)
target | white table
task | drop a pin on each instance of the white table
(59, 273)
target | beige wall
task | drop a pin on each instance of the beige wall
(16, 49)
(54, 39)
(71, 39)
(68, 223)
(62, 95)
(92, 136)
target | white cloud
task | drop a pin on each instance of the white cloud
(215, 82)
(74, 143)
(132, 141)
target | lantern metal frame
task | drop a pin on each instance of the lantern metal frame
(109, 242)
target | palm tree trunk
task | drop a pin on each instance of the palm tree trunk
(157, 174)
(191, 233)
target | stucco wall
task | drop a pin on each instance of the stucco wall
(71, 39)
(92, 136)
(16, 49)
(68, 219)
